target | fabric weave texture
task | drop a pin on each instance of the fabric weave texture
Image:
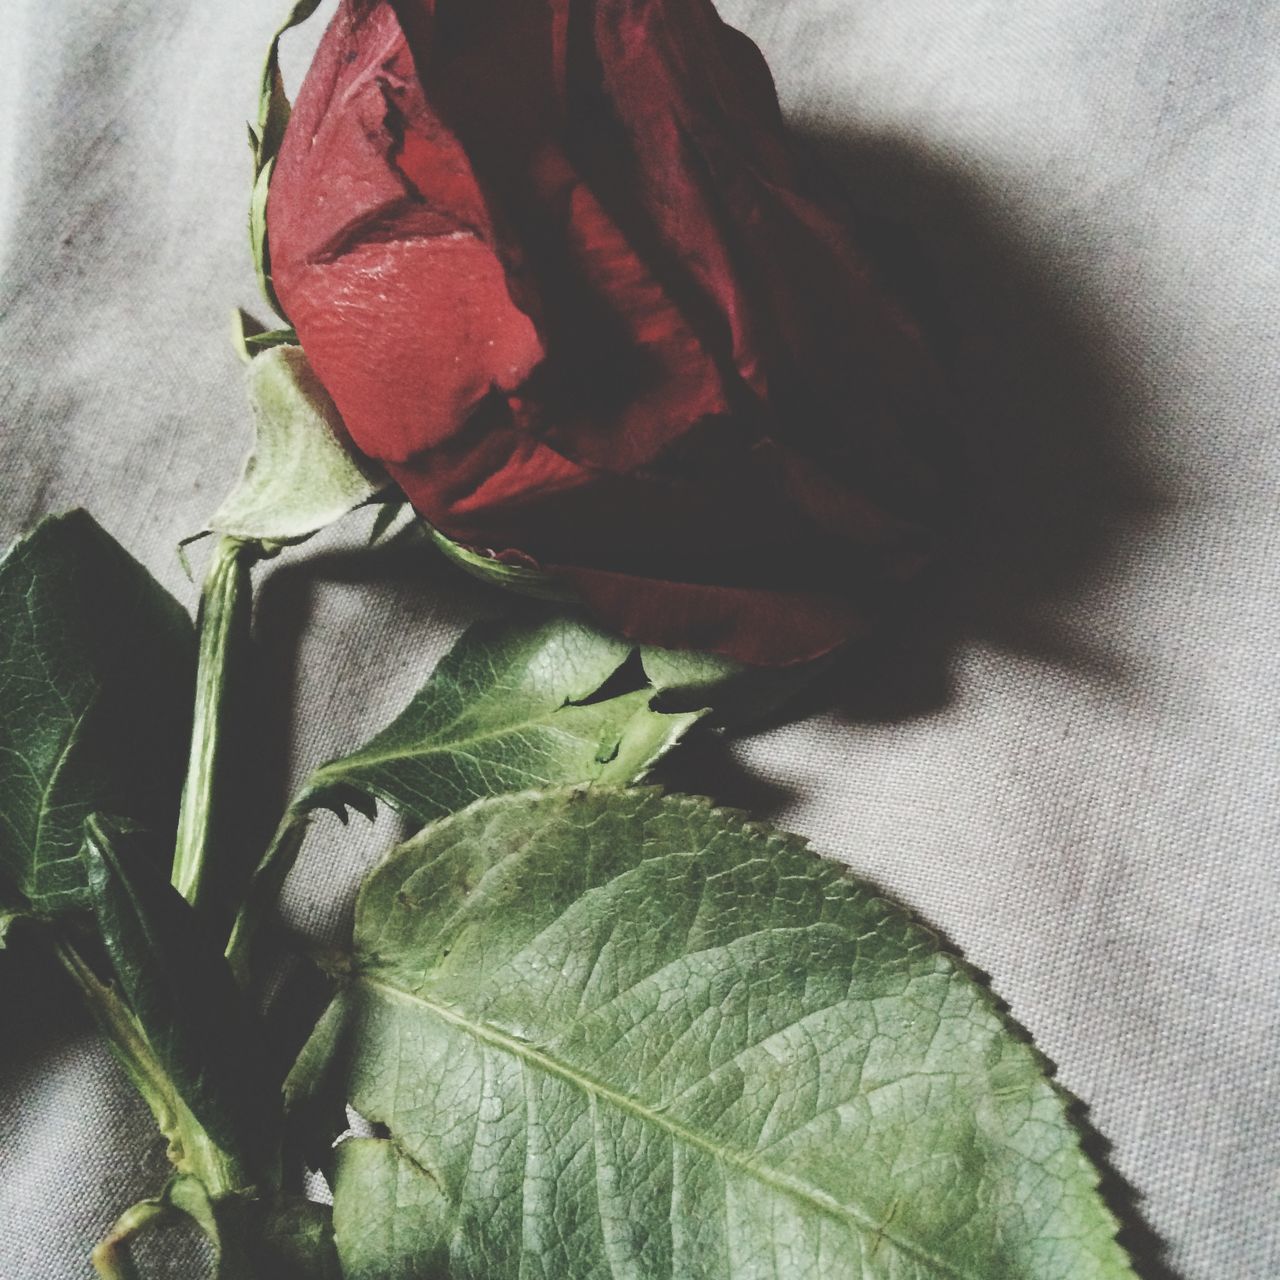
(1068, 766)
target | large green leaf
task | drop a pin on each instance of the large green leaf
(96, 675)
(612, 1033)
(200, 1026)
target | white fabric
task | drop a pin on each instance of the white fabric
(1086, 803)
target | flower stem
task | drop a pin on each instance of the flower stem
(224, 628)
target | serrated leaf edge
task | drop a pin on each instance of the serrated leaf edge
(1069, 1105)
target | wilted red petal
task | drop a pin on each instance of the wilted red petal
(382, 249)
(762, 628)
(564, 270)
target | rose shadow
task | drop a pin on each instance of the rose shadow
(1042, 491)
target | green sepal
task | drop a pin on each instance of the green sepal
(268, 338)
(273, 105)
(522, 579)
(273, 117)
(258, 234)
(303, 472)
(249, 337)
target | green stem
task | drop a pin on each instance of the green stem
(191, 1149)
(264, 889)
(224, 623)
(111, 1257)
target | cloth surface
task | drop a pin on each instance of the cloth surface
(1069, 767)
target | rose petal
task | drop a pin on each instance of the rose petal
(761, 628)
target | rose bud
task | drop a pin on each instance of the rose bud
(566, 276)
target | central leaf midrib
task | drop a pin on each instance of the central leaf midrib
(449, 745)
(45, 808)
(804, 1192)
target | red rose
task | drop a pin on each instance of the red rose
(563, 272)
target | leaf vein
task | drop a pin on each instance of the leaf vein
(530, 1056)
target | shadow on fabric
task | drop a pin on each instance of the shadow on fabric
(1045, 488)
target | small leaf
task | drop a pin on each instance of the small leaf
(510, 707)
(179, 988)
(614, 1033)
(303, 474)
(96, 678)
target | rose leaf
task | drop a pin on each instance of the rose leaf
(609, 1032)
(96, 675)
(512, 706)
